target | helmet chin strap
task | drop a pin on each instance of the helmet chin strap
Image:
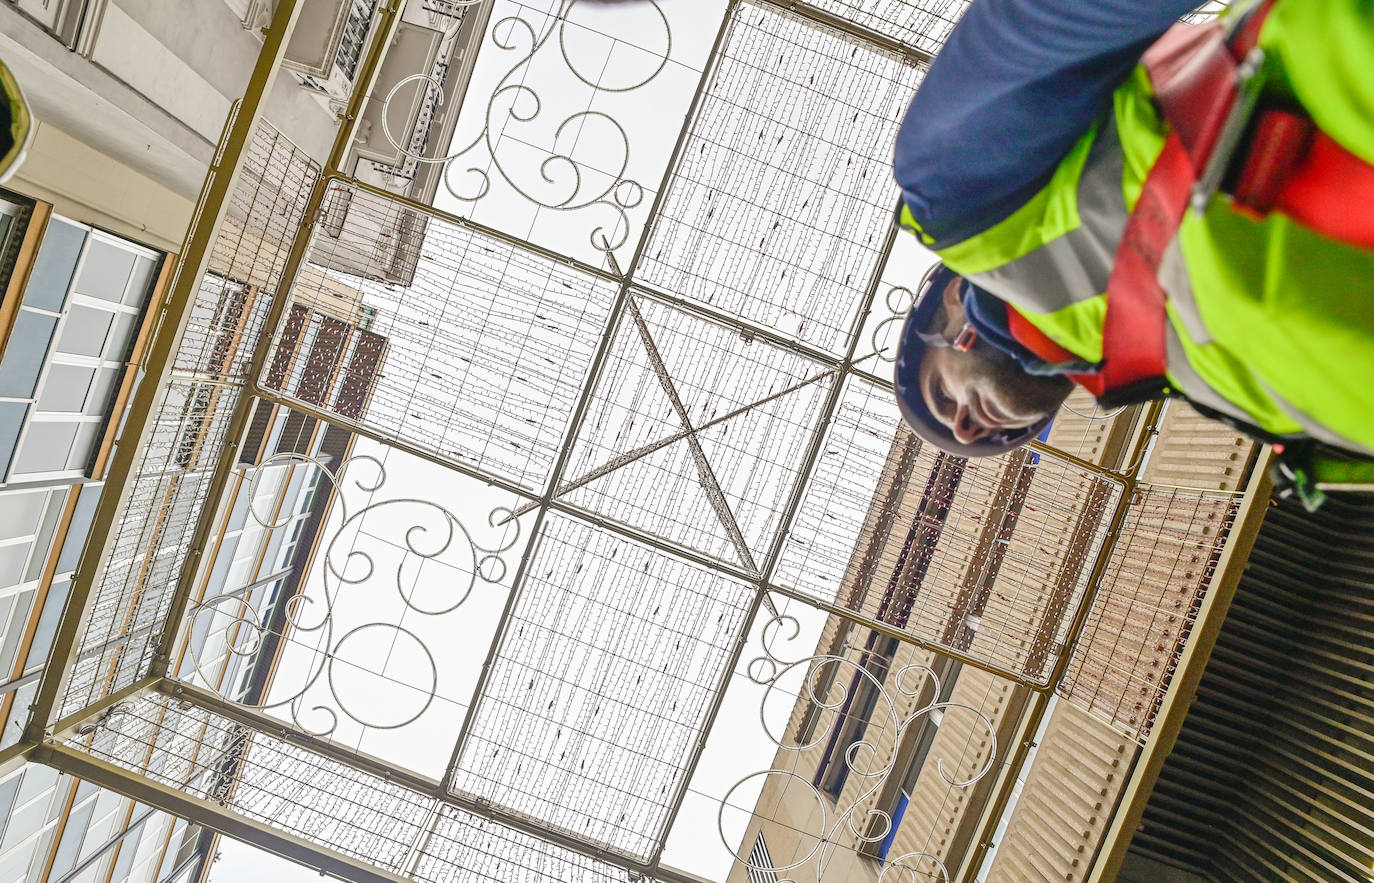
(967, 336)
(964, 341)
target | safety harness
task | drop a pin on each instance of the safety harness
(1207, 81)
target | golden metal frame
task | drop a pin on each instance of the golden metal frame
(45, 738)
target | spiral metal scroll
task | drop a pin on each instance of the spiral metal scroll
(429, 532)
(863, 759)
(887, 332)
(562, 180)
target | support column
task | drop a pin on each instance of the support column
(171, 325)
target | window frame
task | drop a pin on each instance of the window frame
(117, 361)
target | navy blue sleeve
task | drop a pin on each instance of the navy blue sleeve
(1015, 87)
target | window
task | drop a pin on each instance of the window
(854, 715)
(760, 863)
(61, 18)
(14, 222)
(28, 520)
(72, 335)
(40, 797)
(920, 739)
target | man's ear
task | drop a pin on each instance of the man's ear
(952, 319)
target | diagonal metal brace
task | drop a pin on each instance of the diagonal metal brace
(704, 470)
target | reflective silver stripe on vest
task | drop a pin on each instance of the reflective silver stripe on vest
(1320, 431)
(1173, 278)
(1190, 383)
(1073, 267)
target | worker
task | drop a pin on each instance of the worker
(16, 124)
(1144, 214)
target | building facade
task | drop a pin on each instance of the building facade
(918, 742)
(130, 100)
(210, 294)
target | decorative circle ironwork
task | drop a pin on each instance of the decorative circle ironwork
(864, 759)
(337, 655)
(429, 534)
(559, 181)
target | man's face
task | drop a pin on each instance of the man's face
(981, 392)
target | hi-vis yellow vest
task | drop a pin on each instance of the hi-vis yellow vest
(1269, 323)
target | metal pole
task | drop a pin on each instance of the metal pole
(211, 207)
(892, 631)
(1128, 482)
(547, 498)
(474, 226)
(1040, 703)
(67, 726)
(56, 753)
(196, 810)
(763, 581)
(105, 848)
(365, 431)
(15, 756)
(1192, 662)
(243, 410)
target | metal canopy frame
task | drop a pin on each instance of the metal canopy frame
(63, 737)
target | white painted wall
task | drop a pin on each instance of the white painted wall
(130, 52)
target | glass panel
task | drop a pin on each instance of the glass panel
(117, 344)
(12, 560)
(65, 387)
(98, 402)
(169, 857)
(127, 850)
(43, 542)
(87, 440)
(84, 331)
(8, 789)
(18, 716)
(105, 274)
(24, 353)
(52, 271)
(47, 623)
(23, 603)
(141, 283)
(84, 790)
(15, 866)
(11, 421)
(7, 628)
(20, 513)
(45, 447)
(80, 528)
(72, 836)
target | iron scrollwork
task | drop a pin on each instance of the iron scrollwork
(429, 532)
(887, 331)
(560, 181)
(863, 759)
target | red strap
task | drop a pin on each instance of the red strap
(1193, 70)
(1133, 333)
(1278, 144)
(1044, 347)
(1247, 35)
(1331, 192)
(1288, 165)
(1193, 75)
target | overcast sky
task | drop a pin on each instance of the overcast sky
(385, 679)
